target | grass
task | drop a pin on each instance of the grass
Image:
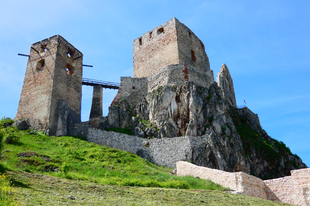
(37, 189)
(121, 130)
(69, 170)
(7, 197)
(77, 159)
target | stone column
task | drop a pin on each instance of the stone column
(96, 107)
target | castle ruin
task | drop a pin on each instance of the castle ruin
(173, 106)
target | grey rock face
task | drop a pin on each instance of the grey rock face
(218, 135)
(225, 82)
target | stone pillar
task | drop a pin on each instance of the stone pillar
(96, 107)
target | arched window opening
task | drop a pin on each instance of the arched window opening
(69, 69)
(40, 65)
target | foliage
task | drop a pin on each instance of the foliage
(11, 136)
(73, 158)
(269, 149)
(209, 97)
(6, 193)
(121, 130)
(5, 122)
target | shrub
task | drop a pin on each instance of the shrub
(11, 138)
(6, 122)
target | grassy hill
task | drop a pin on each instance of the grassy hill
(69, 170)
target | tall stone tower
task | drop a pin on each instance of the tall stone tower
(52, 89)
(168, 44)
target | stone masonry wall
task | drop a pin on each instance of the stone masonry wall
(294, 189)
(165, 152)
(192, 50)
(155, 50)
(53, 75)
(168, 44)
(239, 181)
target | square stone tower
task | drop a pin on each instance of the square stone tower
(52, 89)
(170, 43)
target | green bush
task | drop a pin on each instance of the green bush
(5, 122)
(11, 139)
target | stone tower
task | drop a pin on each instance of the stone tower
(51, 94)
(169, 44)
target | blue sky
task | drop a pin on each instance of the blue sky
(264, 43)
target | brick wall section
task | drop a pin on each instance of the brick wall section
(45, 84)
(239, 181)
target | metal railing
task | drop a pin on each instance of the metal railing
(104, 84)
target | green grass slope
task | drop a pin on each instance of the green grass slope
(69, 170)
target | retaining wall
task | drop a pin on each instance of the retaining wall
(240, 182)
(294, 189)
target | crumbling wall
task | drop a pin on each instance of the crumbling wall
(191, 50)
(168, 44)
(53, 75)
(155, 50)
(294, 189)
(178, 75)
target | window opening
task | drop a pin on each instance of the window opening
(43, 48)
(40, 65)
(151, 33)
(140, 41)
(69, 69)
(202, 46)
(190, 34)
(193, 56)
(70, 54)
(160, 30)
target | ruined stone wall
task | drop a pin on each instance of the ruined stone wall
(67, 83)
(134, 88)
(294, 189)
(165, 152)
(239, 181)
(168, 44)
(155, 50)
(35, 98)
(191, 50)
(53, 75)
(178, 74)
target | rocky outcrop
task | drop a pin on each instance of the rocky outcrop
(221, 136)
(225, 82)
